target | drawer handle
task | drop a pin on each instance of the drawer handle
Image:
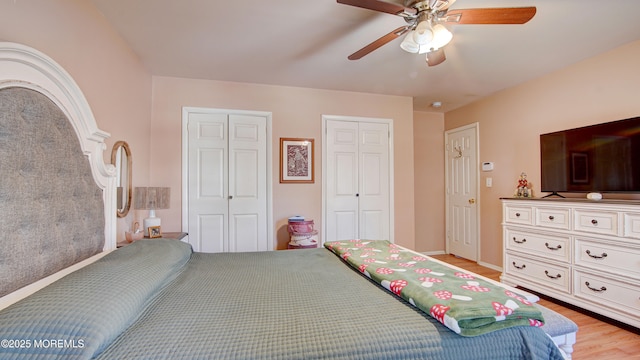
(519, 267)
(519, 242)
(594, 222)
(551, 217)
(594, 289)
(604, 255)
(551, 276)
(553, 248)
(517, 214)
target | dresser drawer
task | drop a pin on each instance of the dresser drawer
(631, 225)
(615, 294)
(553, 276)
(549, 246)
(518, 215)
(553, 218)
(597, 222)
(608, 257)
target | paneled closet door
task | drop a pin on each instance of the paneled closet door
(374, 176)
(357, 181)
(208, 186)
(247, 183)
(342, 181)
(227, 190)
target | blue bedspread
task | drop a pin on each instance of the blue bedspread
(163, 302)
(81, 314)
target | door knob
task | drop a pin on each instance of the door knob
(472, 201)
(230, 197)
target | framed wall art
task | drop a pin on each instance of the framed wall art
(296, 160)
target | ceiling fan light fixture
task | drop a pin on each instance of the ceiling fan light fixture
(425, 49)
(409, 44)
(423, 34)
(441, 36)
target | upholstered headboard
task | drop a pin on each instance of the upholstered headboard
(57, 198)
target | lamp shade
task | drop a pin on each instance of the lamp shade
(409, 44)
(441, 36)
(426, 37)
(423, 34)
(151, 198)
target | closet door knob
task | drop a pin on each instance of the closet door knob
(230, 197)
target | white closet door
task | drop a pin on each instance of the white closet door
(247, 183)
(208, 186)
(227, 189)
(357, 181)
(342, 181)
(374, 181)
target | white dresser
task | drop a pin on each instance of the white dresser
(583, 252)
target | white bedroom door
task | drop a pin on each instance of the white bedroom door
(357, 181)
(462, 192)
(227, 182)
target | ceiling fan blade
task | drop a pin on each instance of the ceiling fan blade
(381, 6)
(436, 57)
(519, 15)
(439, 5)
(379, 42)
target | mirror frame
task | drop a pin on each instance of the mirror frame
(114, 153)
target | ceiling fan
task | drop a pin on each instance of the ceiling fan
(425, 32)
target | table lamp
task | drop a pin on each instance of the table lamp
(151, 198)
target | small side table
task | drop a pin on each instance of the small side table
(165, 235)
(174, 235)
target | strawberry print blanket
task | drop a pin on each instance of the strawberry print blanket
(464, 303)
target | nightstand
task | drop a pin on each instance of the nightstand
(167, 235)
(173, 235)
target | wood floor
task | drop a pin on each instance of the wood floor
(597, 338)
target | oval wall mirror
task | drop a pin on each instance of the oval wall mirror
(121, 159)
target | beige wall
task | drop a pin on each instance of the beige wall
(428, 137)
(115, 83)
(119, 91)
(600, 89)
(297, 112)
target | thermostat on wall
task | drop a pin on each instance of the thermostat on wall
(487, 166)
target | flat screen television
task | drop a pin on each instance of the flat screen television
(597, 158)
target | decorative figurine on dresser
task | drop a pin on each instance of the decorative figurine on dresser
(524, 188)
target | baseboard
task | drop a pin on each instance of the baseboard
(442, 252)
(429, 253)
(490, 266)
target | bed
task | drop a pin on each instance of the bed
(69, 294)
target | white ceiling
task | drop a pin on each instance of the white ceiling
(305, 43)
